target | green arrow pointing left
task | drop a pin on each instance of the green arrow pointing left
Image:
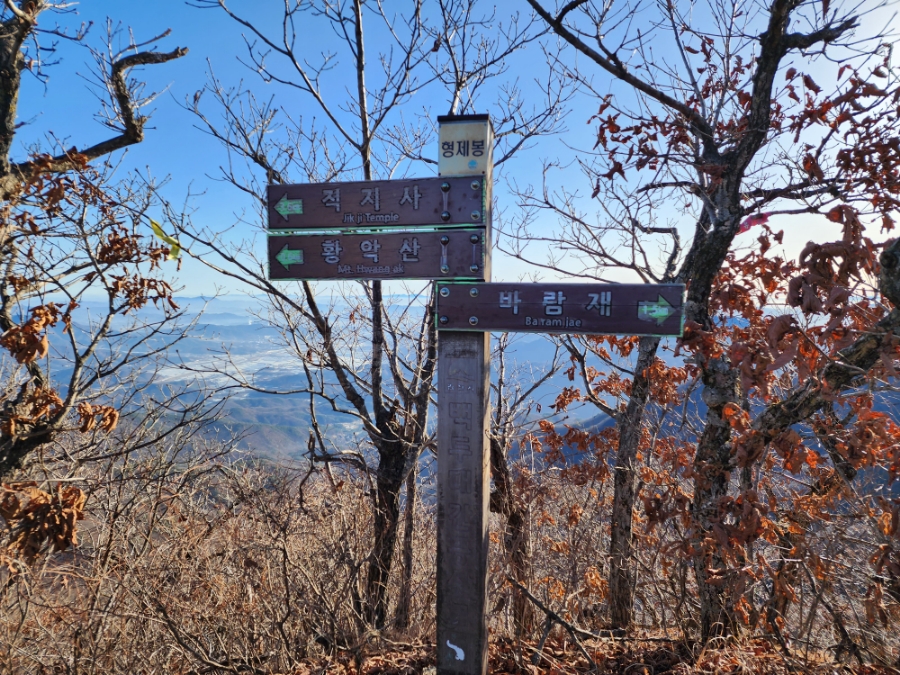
(657, 311)
(288, 257)
(289, 207)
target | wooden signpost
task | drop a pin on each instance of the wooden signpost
(427, 228)
(463, 479)
(440, 228)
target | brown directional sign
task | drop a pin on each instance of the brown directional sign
(613, 309)
(446, 254)
(377, 204)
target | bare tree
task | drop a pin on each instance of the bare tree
(69, 233)
(695, 118)
(25, 46)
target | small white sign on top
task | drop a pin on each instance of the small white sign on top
(466, 146)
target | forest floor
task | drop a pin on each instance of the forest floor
(610, 657)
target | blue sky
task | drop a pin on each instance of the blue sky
(174, 147)
(65, 107)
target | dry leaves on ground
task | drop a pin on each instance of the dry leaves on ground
(620, 657)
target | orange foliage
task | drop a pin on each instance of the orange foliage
(34, 517)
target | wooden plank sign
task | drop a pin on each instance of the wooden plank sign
(376, 204)
(448, 254)
(601, 309)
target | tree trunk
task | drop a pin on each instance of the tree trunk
(14, 31)
(516, 544)
(515, 536)
(404, 601)
(712, 465)
(387, 518)
(621, 566)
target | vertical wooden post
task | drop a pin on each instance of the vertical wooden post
(463, 447)
(463, 492)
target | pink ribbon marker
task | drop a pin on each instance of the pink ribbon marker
(750, 221)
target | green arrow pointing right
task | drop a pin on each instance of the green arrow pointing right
(657, 311)
(289, 207)
(288, 257)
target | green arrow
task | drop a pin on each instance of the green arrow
(657, 311)
(288, 257)
(289, 207)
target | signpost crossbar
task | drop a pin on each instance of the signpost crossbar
(405, 202)
(450, 254)
(562, 308)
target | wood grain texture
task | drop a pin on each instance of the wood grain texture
(463, 493)
(463, 468)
